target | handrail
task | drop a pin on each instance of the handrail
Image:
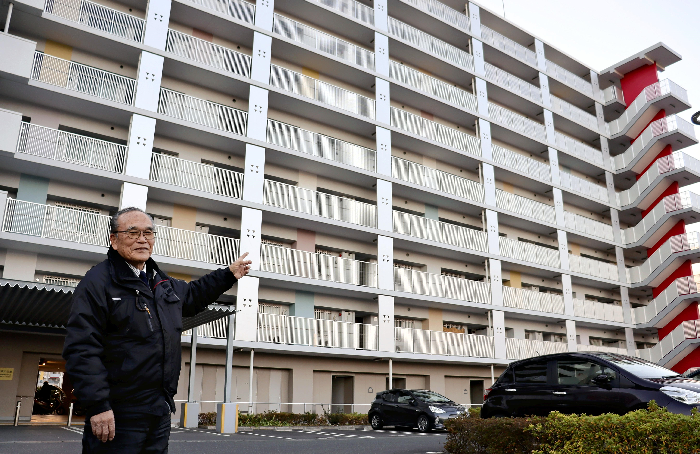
(419, 174)
(443, 12)
(526, 348)
(197, 246)
(515, 84)
(521, 163)
(588, 226)
(413, 340)
(686, 330)
(207, 53)
(579, 149)
(98, 16)
(441, 232)
(682, 286)
(434, 131)
(528, 252)
(441, 286)
(533, 300)
(668, 204)
(525, 207)
(575, 113)
(202, 112)
(612, 93)
(351, 8)
(571, 79)
(508, 46)
(238, 9)
(593, 267)
(578, 184)
(195, 175)
(597, 310)
(518, 122)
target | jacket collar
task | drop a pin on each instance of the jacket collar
(122, 273)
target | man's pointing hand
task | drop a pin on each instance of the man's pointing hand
(241, 267)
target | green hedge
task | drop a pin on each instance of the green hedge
(651, 431)
(275, 418)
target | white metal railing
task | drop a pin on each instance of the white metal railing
(323, 42)
(436, 179)
(351, 8)
(606, 349)
(441, 232)
(678, 243)
(217, 329)
(576, 114)
(505, 79)
(528, 252)
(598, 310)
(440, 286)
(567, 77)
(522, 163)
(579, 149)
(525, 207)
(316, 203)
(593, 267)
(668, 204)
(60, 280)
(687, 330)
(588, 226)
(533, 300)
(207, 53)
(202, 112)
(285, 329)
(508, 46)
(648, 95)
(306, 86)
(584, 187)
(430, 45)
(442, 12)
(100, 17)
(238, 9)
(84, 79)
(72, 148)
(428, 84)
(197, 246)
(517, 122)
(682, 286)
(197, 176)
(526, 348)
(411, 340)
(322, 146)
(434, 131)
(648, 138)
(294, 262)
(612, 93)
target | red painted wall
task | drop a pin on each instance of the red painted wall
(635, 81)
(674, 188)
(677, 229)
(665, 152)
(692, 359)
(684, 270)
(689, 313)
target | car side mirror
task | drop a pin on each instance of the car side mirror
(602, 379)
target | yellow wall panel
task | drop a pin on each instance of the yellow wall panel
(184, 217)
(58, 50)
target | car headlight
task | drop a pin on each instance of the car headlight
(436, 409)
(682, 395)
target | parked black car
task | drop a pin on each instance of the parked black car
(419, 408)
(591, 383)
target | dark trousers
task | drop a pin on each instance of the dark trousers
(145, 434)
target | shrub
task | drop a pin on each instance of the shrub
(278, 419)
(207, 419)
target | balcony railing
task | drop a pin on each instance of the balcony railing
(440, 286)
(525, 207)
(72, 148)
(576, 114)
(436, 179)
(593, 267)
(687, 330)
(521, 298)
(441, 232)
(218, 329)
(517, 122)
(442, 12)
(351, 8)
(202, 112)
(294, 262)
(200, 247)
(428, 84)
(528, 252)
(525, 348)
(584, 187)
(332, 95)
(655, 129)
(284, 329)
(668, 204)
(512, 83)
(410, 340)
(323, 42)
(194, 175)
(678, 243)
(508, 46)
(521, 163)
(434, 131)
(238, 9)
(649, 94)
(598, 310)
(316, 203)
(612, 93)
(208, 54)
(99, 17)
(588, 226)
(572, 80)
(606, 349)
(579, 149)
(430, 45)
(682, 286)
(84, 79)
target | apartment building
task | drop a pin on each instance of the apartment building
(427, 192)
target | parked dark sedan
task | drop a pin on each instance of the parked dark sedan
(419, 408)
(591, 383)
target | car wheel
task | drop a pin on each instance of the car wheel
(423, 424)
(376, 422)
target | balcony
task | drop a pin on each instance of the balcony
(218, 329)
(202, 112)
(656, 218)
(442, 12)
(308, 87)
(612, 94)
(72, 148)
(593, 267)
(439, 286)
(322, 42)
(667, 303)
(606, 349)
(572, 80)
(316, 203)
(674, 245)
(99, 17)
(528, 252)
(438, 231)
(409, 340)
(579, 149)
(525, 207)
(508, 46)
(83, 79)
(661, 352)
(284, 329)
(521, 163)
(237, 9)
(577, 115)
(517, 122)
(194, 175)
(310, 265)
(598, 311)
(350, 8)
(438, 180)
(584, 187)
(525, 348)
(207, 53)
(512, 83)
(588, 226)
(532, 300)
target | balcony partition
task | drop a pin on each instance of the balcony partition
(525, 207)
(676, 244)
(434, 131)
(409, 340)
(525, 348)
(440, 286)
(99, 17)
(284, 329)
(237, 9)
(521, 163)
(505, 79)
(588, 226)
(517, 122)
(682, 286)
(585, 187)
(436, 179)
(207, 53)
(441, 232)
(581, 150)
(593, 267)
(533, 300)
(668, 204)
(597, 310)
(613, 94)
(194, 175)
(202, 112)
(217, 329)
(528, 252)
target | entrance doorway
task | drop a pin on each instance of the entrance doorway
(54, 392)
(476, 391)
(398, 383)
(342, 392)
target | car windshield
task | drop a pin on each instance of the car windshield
(638, 367)
(430, 397)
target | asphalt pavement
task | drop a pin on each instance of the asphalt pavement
(63, 440)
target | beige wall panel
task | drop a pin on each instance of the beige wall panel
(56, 264)
(184, 217)
(434, 319)
(322, 386)
(201, 92)
(82, 194)
(58, 50)
(345, 188)
(345, 244)
(279, 231)
(20, 265)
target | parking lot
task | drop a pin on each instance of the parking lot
(63, 440)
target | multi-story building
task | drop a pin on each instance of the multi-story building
(427, 192)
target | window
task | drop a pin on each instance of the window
(580, 372)
(535, 372)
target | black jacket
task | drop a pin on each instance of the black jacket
(118, 354)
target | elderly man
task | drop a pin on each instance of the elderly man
(122, 346)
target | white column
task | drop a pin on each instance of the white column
(479, 63)
(567, 290)
(383, 108)
(386, 324)
(492, 232)
(626, 306)
(629, 340)
(499, 334)
(559, 206)
(571, 335)
(489, 182)
(140, 146)
(622, 272)
(381, 54)
(482, 100)
(597, 94)
(189, 414)
(247, 309)
(600, 116)
(264, 14)
(485, 136)
(496, 282)
(133, 195)
(544, 89)
(605, 149)
(475, 19)
(541, 59)
(554, 165)
(385, 263)
(257, 114)
(251, 376)
(150, 73)
(254, 178)
(615, 219)
(549, 127)
(10, 123)
(230, 333)
(251, 224)
(563, 249)
(384, 206)
(3, 207)
(380, 15)
(610, 183)
(157, 20)
(262, 54)
(383, 151)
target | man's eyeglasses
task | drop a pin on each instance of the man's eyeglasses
(135, 234)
